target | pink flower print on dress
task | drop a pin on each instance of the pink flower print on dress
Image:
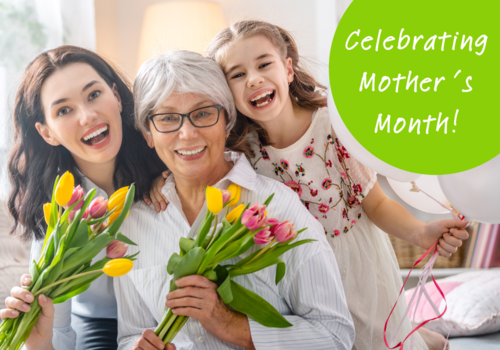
(295, 186)
(357, 189)
(323, 208)
(264, 153)
(327, 183)
(328, 163)
(344, 175)
(300, 170)
(284, 164)
(353, 222)
(344, 214)
(309, 151)
(351, 201)
(336, 233)
(314, 192)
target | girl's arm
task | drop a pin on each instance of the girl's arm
(392, 218)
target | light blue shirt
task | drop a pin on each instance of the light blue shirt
(98, 301)
(310, 296)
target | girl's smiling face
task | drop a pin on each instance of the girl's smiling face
(82, 113)
(258, 76)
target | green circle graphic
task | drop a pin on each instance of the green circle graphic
(434, 68)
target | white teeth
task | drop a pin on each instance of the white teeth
(190, 153)
(262, 95)
(262, 104)
(95, 133)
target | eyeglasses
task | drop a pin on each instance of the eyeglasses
(201, 118)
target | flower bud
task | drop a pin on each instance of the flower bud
(284, 231)
(116, 249)
(98, 208)
(117, 267)
(64, 188)
(214, 199)
(264, 236)
(117, 199)
(235, 194)
(226, 196)
(254, 217)
(99, 227)
(76, 196)
(46, 212)
(235, 213)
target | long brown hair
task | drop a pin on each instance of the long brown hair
(34, 164)
(305, 92)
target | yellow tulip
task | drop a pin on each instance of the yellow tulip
(118, 267)
(113, 217)
(118, 199)
(64, 189)
(46, 212)
(235, 194)
(214, 199)
(235, 213)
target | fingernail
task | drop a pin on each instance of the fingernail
(43, 298)
(26, 307)
(26, 280)
(29, 297)
(15, 313)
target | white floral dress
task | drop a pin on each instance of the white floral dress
(332, 185)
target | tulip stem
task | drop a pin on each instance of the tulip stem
(60, 213)
(67, 279)
(213, 233)
(263, 250)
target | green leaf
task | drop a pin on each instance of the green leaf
(101, 219)
(268, 200)
(280, 270)
(80, 237)
(172, 262)
(34, 272)
(254, 306)
(129, 199)
(186, 244)
(122, 238)
(211, 275)
(189, 264)
(222, 274)
(225, 292)
(205, 229)
(71, 294)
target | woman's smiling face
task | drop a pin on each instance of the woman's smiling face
(82, 113)
(258, 77)
(190, 152)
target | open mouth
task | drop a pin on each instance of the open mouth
(263, 99)
(191, 153)
(97, 136)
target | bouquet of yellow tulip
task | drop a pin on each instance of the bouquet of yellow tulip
(73, 238)
(241, 229)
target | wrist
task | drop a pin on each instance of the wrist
(418, 236)
(238, 331)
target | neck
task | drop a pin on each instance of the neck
(288, 126)
(100, 174)
(191, 191)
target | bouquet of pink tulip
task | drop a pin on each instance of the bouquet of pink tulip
(241, 229)
(73, 238)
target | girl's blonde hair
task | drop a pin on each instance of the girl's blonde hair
(304, 90)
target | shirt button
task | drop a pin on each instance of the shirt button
(201, 339)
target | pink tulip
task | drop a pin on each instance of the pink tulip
(284, 231)
(116, 250)
(98, 208)
(77, 195)
(85, 213)
(226, 196)
(254, 217)
(95, 227)
(263, 237)
(71, 216)
(272, 222)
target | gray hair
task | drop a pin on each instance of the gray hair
(180, 72)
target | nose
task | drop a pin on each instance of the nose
(188, 131)
(87, 116)
(254, 79)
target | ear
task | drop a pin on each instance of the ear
(149, 139)
(117, 95)
(45, 133)
(289, 70)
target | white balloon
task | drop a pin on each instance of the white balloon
(430, 185)
(475, 193)
(361, 153)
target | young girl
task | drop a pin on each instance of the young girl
(72, 112)
(284, 128)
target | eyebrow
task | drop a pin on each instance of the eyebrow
(258, 58)
(86, 87)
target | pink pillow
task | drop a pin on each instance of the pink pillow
(425, 310)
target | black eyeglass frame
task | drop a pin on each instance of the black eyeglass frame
(187, 115)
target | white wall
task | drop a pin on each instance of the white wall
(312, 23)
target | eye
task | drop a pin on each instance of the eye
(237, 75)
(62, 112)
(94, 94)
(264, 65)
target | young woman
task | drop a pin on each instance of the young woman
(74, 113)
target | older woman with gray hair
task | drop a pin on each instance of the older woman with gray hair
(185, 110)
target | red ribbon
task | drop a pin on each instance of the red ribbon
(401, 344)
